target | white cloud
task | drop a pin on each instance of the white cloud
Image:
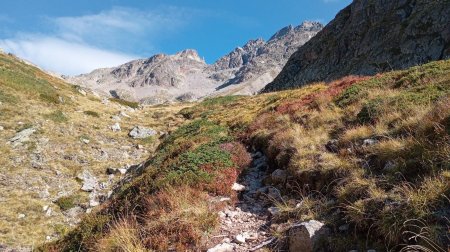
(62, 56)
(81, 44)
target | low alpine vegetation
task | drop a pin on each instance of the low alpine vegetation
(369, 157)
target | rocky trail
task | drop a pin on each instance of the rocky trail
(244, 226)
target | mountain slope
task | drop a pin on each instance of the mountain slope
(52, 132)
(371, 36)
(362, 155)
(185, 76)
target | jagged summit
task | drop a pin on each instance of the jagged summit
(306, 26)
(245, 70)
(190, 54)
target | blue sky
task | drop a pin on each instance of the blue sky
(73, 37)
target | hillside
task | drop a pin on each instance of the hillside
(55, 138)
(362, 161)
(369, 37)
(186, 77)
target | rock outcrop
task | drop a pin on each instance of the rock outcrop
(371, 36)
(186, 76)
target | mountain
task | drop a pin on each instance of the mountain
(368, 37)
(51, 135)
(186, 76)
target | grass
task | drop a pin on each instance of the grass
(57, 147)
(125, 103)
(68, 202)
(92, 113)
(383, 190)
(57, 116)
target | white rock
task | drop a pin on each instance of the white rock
(85, 141)
(223, 247)
(122, 171)
(240, 238)
(123, 114)
(274, 211)
(369, 141)
(303, 236)
(115, 127)
(48, 212)
(141, 132)
(89, 181)
(238, 187)
(116, 118)
(21, 216)
(93, 203)
(1, 128)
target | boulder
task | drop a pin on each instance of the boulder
(279, 176)
(304, 236)
(142, 132)
(88, 180)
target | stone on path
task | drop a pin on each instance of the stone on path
(303, 236)
(223, 247)
(238, 187)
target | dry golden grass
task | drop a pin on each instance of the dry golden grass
(61, 124)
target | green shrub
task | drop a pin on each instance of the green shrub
(50, 98)
(57, 116)
(125, 103)
(91, 113)
(370, 111)
(350, 95)
(67, 202)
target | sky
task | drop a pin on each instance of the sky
(74, 37)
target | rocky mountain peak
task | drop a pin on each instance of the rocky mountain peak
(189, 54)
(169, 77)
(281, 33)
(309, 26)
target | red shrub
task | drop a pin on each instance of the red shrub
(239, 154)
(334, 88)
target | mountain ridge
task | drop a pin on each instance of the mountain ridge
(368, 37)
(186, 76)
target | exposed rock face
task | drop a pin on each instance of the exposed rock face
(248, 69)
(186, 76)
(371, 36)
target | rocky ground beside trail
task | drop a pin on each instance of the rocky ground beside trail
(248, 224)
(244, 226)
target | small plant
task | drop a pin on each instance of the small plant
(50, 98)
(91, 113)
(24, 127)
(125, 103)
(67, 202)
(57, 116)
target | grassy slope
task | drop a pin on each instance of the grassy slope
(62, 117)
(386, 190)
